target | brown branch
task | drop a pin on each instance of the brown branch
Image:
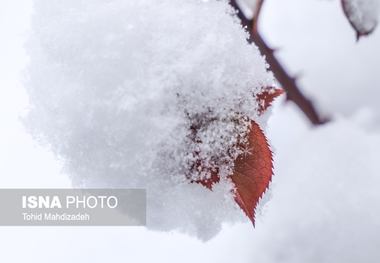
(288, 83)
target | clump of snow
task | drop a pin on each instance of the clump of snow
(363, 14)
(133, 94)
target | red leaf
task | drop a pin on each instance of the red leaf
(266, 97)
(210, 181)
(362, 15)
(252, 172)
(253, 169)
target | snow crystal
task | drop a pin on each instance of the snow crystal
(133, 94)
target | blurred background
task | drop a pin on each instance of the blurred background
(325, 204)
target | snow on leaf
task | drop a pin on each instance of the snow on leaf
(252, 172)
(115, 86)
(252, 169)
(362, 14)
(214, 178)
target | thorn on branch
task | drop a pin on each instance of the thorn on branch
(288, 83)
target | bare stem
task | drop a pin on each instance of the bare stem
(288, 83)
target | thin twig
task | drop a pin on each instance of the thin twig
(288, 83)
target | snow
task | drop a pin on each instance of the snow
(116, 86)
(325, 206)
(363, 14)
(325, 200)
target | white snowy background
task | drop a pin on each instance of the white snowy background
(326, 198)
